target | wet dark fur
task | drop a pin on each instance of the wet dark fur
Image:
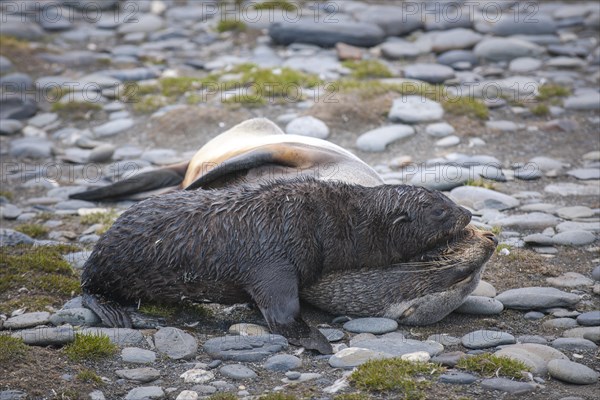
(264, 243)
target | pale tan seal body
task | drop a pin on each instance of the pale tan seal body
(252, 152)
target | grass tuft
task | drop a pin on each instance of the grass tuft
(105, 218)
(11, 349)
(552, 90)
(540, 110)
(6, 194)
(231, 26)
(367, 69)
(90, 347)
(276, 5)
(468, 106)
(166, 311)
(489, 365)
(483, 183)
(278, 396)
(35, 231)
(75, 109)
(395, 374)
(89, 376)
(353, 396)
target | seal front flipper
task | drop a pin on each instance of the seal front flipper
(275, 291)
(145, 182)
(110, 313)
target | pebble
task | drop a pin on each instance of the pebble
(354, 356)
(524, 64)
(43, 336)
(506, 49)
(579, 332)
(574, 344)
(534, 220)
(479, 198)
(560, 323)
(590, 318)
(293, 375)
(439, 129)
(449, 359)
(187, 395)
(145, 393)
(142, 375)
(478, 305)
(573, 238)
(483, 339)
(197, 375)
(78, 259)
(9, 211)
(175, 343)
(534, 315)
(12, 395)
(484, 289)
(119, 336)
(29, 147)
(333, 335)
(415, 109)
(396, 345)
(326, 34)
(585, 173)
(572, 372)
(431, 73)
(376, 326)
(532, 298)
(111, 128)
(596, 273)
(570, 280)
(507, 385)
(27, 320)
(583, 102)
(377, 140)
(448, 141)
(244, 348)
(237, 372)
(136, 355)
(457, 378)
(308, 126)
(75, 317)
(10, 127)
(282, 363)
(444, 339)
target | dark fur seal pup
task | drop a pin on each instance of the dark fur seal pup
(281, 241)
(251, 152)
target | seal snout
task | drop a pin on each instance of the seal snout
(492, 237)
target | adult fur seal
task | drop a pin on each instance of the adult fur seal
(395, 250)
(251, 152)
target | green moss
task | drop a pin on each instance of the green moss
(75, 109)
(176, 86)
(496, 230)
(278, 396)
(540, 110)
(166, 311)
(12, 349)
(6, 194)
(551, 90)
(49, 279)
(352, 396)
(503, 246)
(32, 230)
(276, 4)
(489, 365)
(277, 82)
(223, 396)
(400, 376)
(225, 25)
(105, 218)
(8, 43)
(149, 104)
(194, 98)
(89, 376)
(368, 69)
(373, 88)
(467, 106)
(90, 347)
(484, 183)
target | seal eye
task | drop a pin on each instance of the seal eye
(438, 213)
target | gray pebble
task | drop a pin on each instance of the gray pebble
(573, 238)
(43, 336)
(534, 315)
(237, 371)
(27, 320)
(590, 318)
(113, 127)
(596, 273)
(478, 305)
(560, 323)
(77, 260)
(137, 356)
(308, 126)
(536, 298)
(457, 378)
(244, 348)
(572, 372)
(415, 109)
(9, 211)
(10, 127)
(377, 140)
(483, 339)
(12, 395)
(175, 343)
(449, 359)
(573, 344)
(507, 385)
(333, 335)
(282, 363)
(75, 317)
(145, 393)
(293, 375)
(142, 375)
(376, 326)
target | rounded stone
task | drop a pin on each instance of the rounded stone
(478, 305)
(244, 348)
(457, 378)
(534, 315)
(333, 335)
(484, 289)
(248, 330)
(596, 273)
(376, 326)
(590, 318)
(136, 355)
(560, 323)
(27, 320)
(415, 109)
(175, 343)
(237, 372)
(574, 344)
(308, 126)
(145, 392)
(431, 73)
(531, 298)
(377, 140)
(508, 385)
(483, 339)
(439, 129)
(75, 317)
(282, 363)
(572, 372)
(354, 356)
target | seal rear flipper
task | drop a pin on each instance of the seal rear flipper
(276, 294)
(144, 182)
(110, 313)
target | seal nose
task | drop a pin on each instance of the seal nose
(491, 237)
